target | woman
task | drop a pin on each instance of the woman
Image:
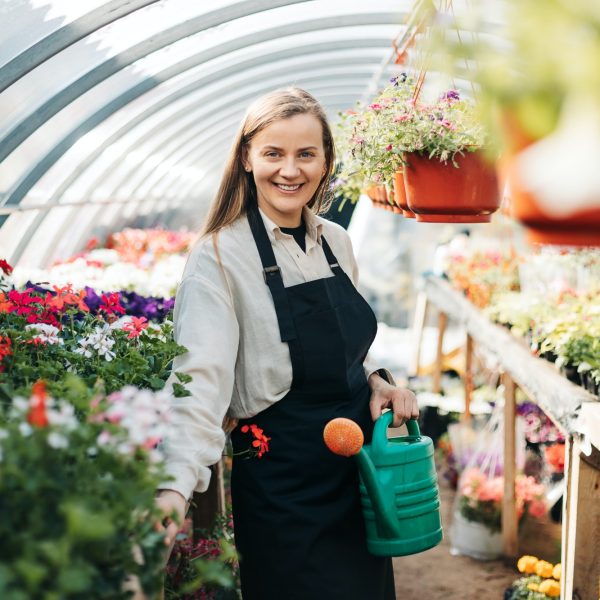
(276, 336)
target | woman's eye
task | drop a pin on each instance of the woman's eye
(306, 154)
(272, 154)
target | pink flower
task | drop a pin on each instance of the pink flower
(135, 327)
(389, 147)
(401, 118)
(375, 106)
(537, 508)
(492, 490)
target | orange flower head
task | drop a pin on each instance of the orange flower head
(37, 415)
(343, 436)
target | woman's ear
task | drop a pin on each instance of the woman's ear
(245, 161)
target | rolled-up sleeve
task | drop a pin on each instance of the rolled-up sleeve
(205, 323)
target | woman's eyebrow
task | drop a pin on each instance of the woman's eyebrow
(271, 147)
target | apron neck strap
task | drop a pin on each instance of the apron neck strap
(272, 273)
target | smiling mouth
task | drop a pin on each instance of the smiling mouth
(288, 188)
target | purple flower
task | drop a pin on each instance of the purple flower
(450, 95)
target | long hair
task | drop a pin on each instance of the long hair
(237, 187)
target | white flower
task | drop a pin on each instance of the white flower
(100, 341)
(25, 429)
(48, 334)
(57, 440)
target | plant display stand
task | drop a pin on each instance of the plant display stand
(567, 404)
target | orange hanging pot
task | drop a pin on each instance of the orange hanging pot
(580, 228)
(400, 195)
(439, 192)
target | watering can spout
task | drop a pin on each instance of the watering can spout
(345, 437)
(384, 511)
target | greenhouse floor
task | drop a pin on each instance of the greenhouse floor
(437, 575)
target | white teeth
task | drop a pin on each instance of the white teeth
(287, 188)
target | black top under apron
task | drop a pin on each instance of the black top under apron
(299, 234)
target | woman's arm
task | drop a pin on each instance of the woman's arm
(206, 324)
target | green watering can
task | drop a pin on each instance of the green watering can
(398, 485)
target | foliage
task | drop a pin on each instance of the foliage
(207, 569)
(77, 495)
(544, 59)
(48, 335)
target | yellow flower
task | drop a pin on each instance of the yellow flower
(550, 588)
(534, 587)
(557, 571)
(544, 568)
(526, 564)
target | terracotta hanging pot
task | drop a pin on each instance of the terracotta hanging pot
(400, 195)
(581, 228)
(439, 192)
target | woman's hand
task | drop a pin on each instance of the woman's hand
(384, 395)
(169, 502)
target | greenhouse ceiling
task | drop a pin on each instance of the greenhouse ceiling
(121, 112)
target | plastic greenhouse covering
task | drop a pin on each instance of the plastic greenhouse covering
(143, 99)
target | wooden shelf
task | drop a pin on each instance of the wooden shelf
(559, 398)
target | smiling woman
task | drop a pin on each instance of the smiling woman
(277, 335)
(288, 174)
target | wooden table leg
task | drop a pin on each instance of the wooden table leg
(418, 327)
(436, 385)
(509, 507)
(468, 380)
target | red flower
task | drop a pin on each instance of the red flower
(5, 267)
(5, 350)
(23, 303)
(111, 304)
(37, 413)
(136, 326)
(261, 441)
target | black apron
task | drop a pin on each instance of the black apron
(298, 523)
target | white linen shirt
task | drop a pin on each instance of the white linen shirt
(226, 319)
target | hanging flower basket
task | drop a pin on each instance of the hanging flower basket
(580, 228)
(400, 195)
(439, 192)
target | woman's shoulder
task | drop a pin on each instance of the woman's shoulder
(211, 249)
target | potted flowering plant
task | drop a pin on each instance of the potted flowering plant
(540, 580)
(447, 177)
(478, 517)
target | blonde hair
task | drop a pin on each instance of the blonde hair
(237, 187)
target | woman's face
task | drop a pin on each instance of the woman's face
(287, 160)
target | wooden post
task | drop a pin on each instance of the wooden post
(509, 507)
(581, 524)
(418, 327)
(468, 378)
(206, 506)
(436, 385)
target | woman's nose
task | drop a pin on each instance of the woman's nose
(289, 168)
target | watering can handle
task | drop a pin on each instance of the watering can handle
(380, 439)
